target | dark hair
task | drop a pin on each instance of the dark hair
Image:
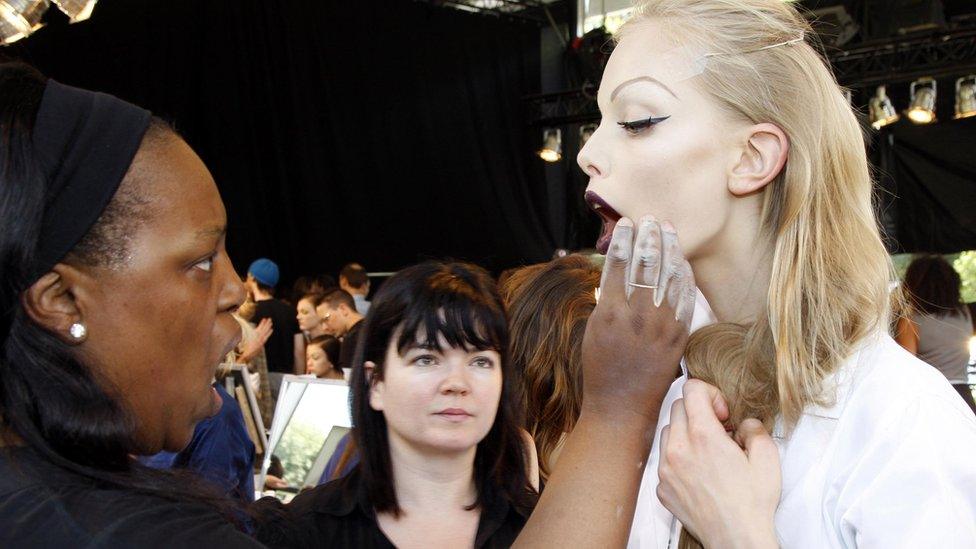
(330, 346)
(305, 285)
(48, 398)
(337, 297)
(932, 286)
(460, 303)
(548, 307)
(355, 275)
(315, 298)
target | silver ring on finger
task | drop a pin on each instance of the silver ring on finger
(646, 286)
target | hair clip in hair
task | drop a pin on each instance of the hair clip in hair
(790, 42)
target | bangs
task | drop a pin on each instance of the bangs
(456, 312)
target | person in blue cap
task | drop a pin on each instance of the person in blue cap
(262, 277)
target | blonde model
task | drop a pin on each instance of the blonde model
(720, 117)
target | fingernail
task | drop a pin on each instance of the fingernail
(625, 222)
(667, 226)
(647, 218)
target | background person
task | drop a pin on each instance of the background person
(354, 279)
(340, 317)
(284, 357)
(548, 307)
(937, 327)
(323, 358)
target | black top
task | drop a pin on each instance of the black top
(348, 348)
(339, 515)
(42, 505)
(280, 348)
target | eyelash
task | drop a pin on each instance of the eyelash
(638, 126)
(418, 359)
(482, 362)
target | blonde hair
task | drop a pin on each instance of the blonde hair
(830, 269)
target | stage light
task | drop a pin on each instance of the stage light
(552, 146)
(585, 132)
(77, 10)
(880, 110)
(966, 96)
(19, 18)
(922, 108)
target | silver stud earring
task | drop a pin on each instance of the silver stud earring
(78, 331)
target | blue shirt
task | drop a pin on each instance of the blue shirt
(220, 451)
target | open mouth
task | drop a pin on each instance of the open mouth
(609, 217)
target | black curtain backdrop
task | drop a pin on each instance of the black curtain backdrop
(928, 175)
(379, 132)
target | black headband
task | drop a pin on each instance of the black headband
(84, 142)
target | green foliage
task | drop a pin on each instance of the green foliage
(297, 451)
(965, 265)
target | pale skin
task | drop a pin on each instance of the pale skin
(907, 335)
(338, 320)
(432, 456)
(705, 170)
(308, 319)
(252, 348)
(317, 363)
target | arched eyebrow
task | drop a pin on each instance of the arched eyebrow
(651, 79)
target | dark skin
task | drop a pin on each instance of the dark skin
(159, 324)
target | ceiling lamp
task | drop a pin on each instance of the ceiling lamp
(966, 96)
(880, 110)
(77, 10)
(922, 108)
(19, 18)
(552, 146)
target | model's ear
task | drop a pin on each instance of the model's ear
(763, 156)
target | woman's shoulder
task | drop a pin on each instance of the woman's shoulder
(334, 514)
(65, 510)
(886, 395)
(886, 375)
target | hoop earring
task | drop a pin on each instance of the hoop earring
(78, 332)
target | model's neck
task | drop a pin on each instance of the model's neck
(733, 273)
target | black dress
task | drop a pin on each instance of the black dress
(339, 515)
(42, 505)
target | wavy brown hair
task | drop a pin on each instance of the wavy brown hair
(548, 306)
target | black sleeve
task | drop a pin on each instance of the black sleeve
(347, 349)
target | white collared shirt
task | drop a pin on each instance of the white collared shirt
(891, 463)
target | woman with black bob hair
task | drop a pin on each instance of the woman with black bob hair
(435, 418)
